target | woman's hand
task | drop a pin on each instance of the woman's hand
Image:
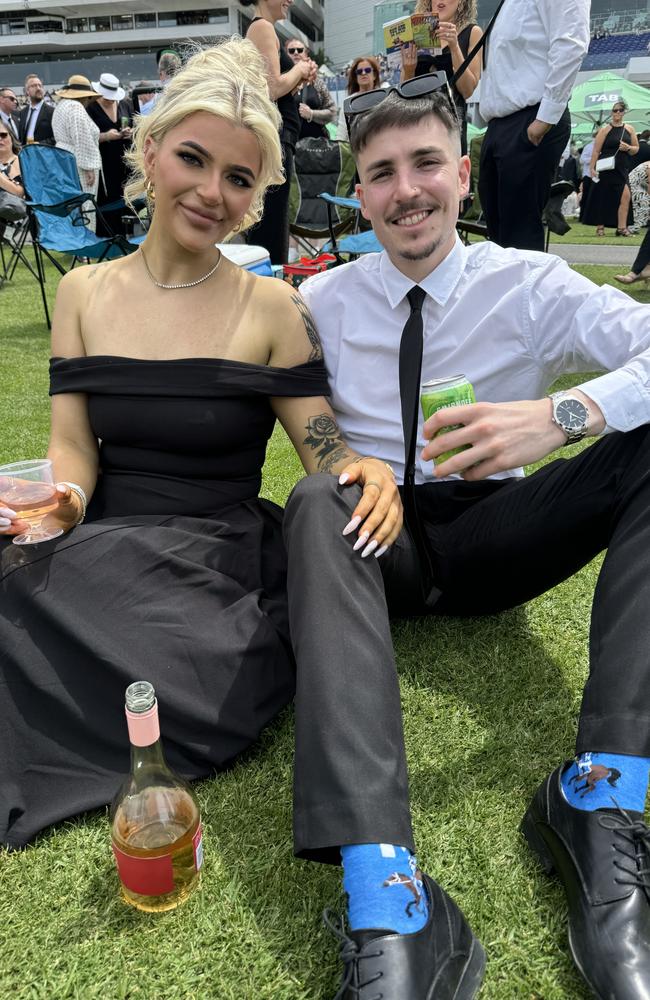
(88, 177)
(112, 135)
(378, 515)
(409, 57)
(305, 112)
(448, 33)
(66, 516)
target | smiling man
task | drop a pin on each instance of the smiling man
(481, 537)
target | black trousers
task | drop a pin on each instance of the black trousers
(643, 257)
(515, 177)
(495, 545)
(272, 231)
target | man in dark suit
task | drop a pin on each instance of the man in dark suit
(8, 116)
(35, 123)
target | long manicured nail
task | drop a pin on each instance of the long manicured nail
(361, 541)
(7, 512)
(369, 549)
(61, 488)
(381, 551)
(343, 478)
(4, 522)
(354, 523)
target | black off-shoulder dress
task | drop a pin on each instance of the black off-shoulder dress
(177, 576)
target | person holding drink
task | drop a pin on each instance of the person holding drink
(169, 369)
(480, 537)
(112, 116)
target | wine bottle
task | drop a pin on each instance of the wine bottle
(155, 818)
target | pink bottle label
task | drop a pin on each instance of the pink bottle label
(146, 876)
(144, 728)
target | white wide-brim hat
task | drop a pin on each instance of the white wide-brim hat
(108, 86)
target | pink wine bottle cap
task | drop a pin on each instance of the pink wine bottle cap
(142, 714)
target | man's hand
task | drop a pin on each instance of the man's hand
(537, 130)
(501, 436)
(378, 515)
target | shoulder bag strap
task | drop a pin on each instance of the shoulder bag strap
(477, 48)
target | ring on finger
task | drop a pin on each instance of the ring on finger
(371, 482)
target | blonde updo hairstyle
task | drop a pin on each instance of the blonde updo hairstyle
(465, 12)
(226, 80)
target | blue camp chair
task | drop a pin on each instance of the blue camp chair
(356, 243)
(58, 212)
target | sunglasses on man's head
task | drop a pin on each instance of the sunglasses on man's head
(419, 86)
(295, 51)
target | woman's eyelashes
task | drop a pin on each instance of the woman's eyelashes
(239, 180)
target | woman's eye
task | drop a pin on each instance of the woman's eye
(190, 158)
(240, 181)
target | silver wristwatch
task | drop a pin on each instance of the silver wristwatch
(570, 414)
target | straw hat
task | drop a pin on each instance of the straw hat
(108, 86)
(76, 87)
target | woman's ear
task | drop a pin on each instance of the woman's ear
(149, 151)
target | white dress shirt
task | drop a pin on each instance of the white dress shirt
(510, 320)
(533, 56)
(10, 124)
(33, 112)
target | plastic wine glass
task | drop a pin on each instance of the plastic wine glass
(29, 489)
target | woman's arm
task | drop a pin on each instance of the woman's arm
(262, 35)
(11, 186)
(468, 81)
(312, 426)
(598, 145)
(631, 147)
(327, 111)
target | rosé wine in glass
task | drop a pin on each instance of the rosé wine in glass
(29, 489)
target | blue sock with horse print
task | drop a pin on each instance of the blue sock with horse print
(384, 887)
(594, 780)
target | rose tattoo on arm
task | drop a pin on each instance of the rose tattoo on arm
(324, 437)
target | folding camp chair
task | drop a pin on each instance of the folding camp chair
(320, 165)
(12, 242)
(58, 213)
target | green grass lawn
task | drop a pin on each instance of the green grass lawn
(490, 706)
(587, 234)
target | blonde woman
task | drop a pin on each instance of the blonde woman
(169, 369)
(458, 34)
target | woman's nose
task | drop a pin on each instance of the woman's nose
(210, 189)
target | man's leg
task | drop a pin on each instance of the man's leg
(524, 176)
(350, 781)
(488, 180)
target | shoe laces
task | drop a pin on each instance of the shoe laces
(635, 835)
(352, 984)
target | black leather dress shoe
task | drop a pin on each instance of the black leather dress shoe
(603, 859)
(442, 961)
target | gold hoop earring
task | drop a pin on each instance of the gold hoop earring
(238, 227)
(149, 190)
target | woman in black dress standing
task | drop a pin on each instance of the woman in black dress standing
(114, 119)
(606, 205)
(283, 78)
(458, 34)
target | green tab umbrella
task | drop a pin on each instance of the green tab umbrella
(591, 102)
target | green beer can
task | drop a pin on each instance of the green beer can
(440, 393)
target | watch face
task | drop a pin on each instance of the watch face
(571, 414)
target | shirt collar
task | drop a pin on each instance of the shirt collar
(439, 283)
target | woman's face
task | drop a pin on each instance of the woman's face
(365, 75)
(617, 113)
(6, 149)
(445, 9)
(278, 10)
(204, 172)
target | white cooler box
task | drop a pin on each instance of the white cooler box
(254, 259)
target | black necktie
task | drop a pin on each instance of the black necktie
(11, 126)
(28, 122)
(410, 369)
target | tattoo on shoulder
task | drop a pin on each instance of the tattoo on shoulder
(324, 437)
(316, 352)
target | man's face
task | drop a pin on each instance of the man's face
(412, 180)
(34, 89)
(296, 50)
(7, 102)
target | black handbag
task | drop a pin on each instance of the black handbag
(12, 207)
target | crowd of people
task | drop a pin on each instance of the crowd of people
(169, 368)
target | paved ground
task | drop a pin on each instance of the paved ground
(593, 253)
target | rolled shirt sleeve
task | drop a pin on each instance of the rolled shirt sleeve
(567, 24)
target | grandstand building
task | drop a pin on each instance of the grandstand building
(56, 38)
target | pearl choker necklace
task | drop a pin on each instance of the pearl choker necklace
(181, 284)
